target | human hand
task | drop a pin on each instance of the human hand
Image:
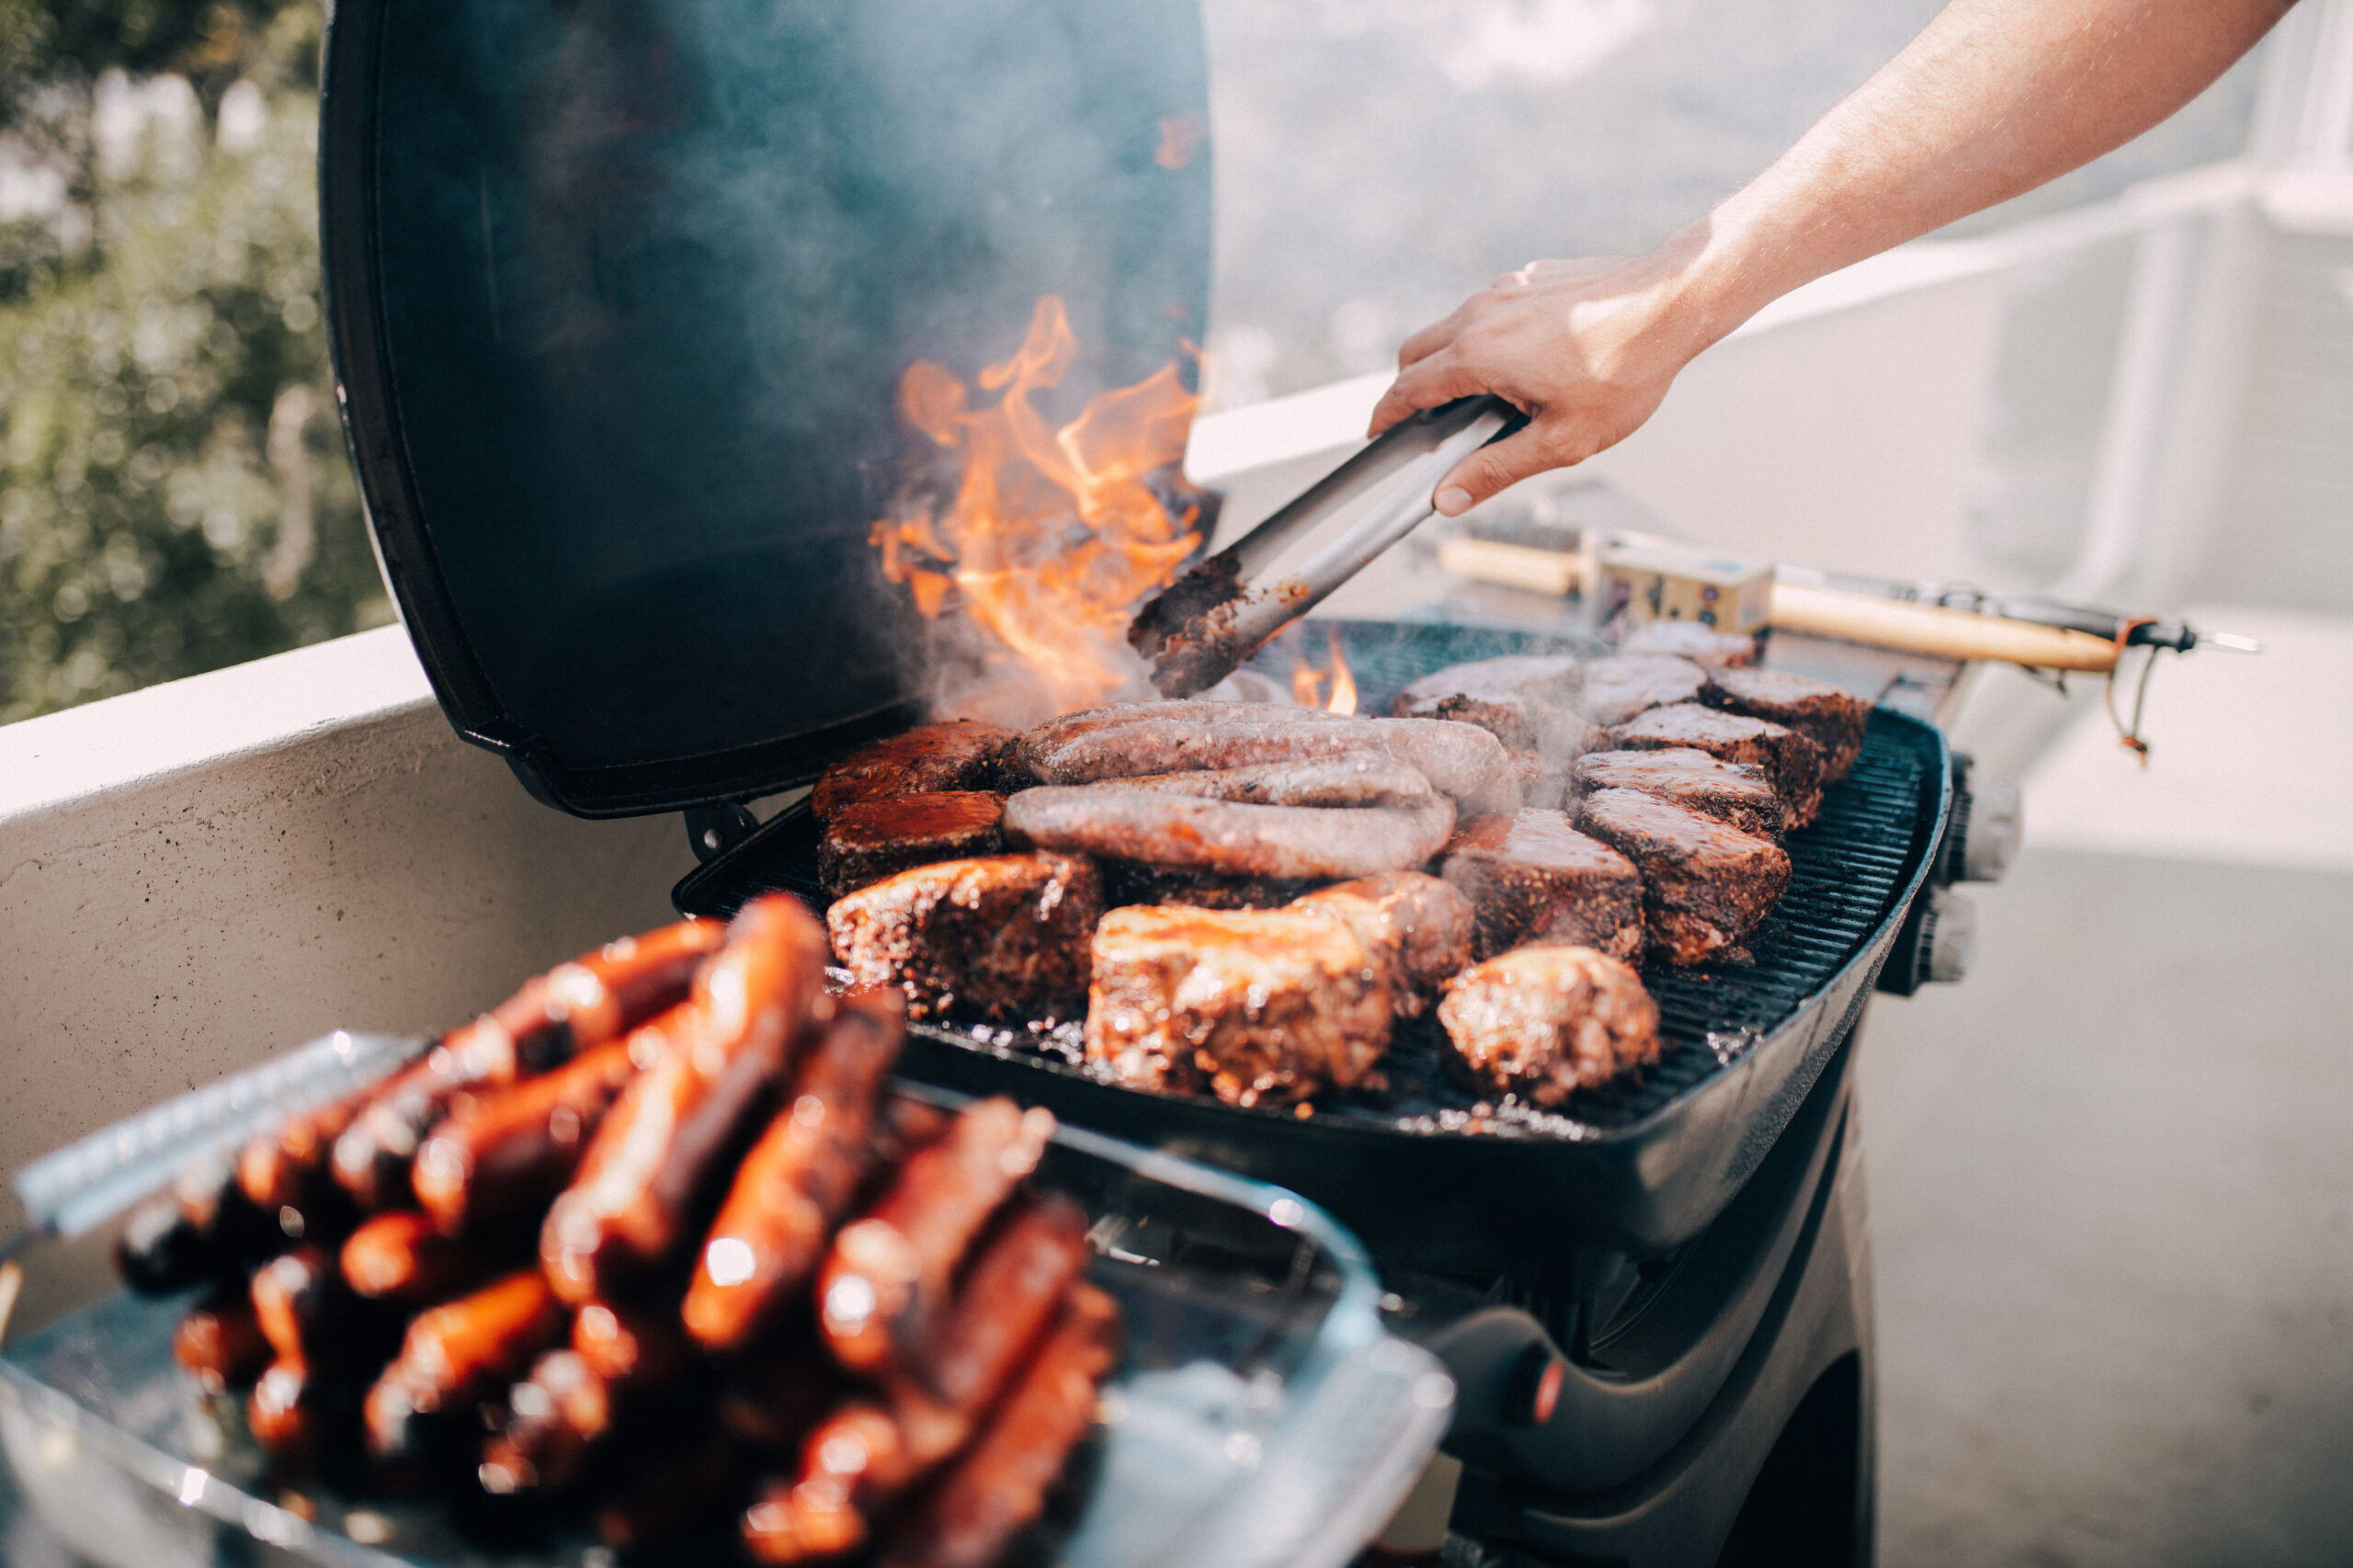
(1585, 349)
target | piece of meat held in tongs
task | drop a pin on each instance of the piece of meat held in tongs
(1532, 877)
(998, 1488)
(1734, 793)
(873, 839)
(1705, 885)
(656, 1159)
(799, 1179)
(1790, 761)
(1000, 937)
(575, 1006)
(1420, 930)
(1526, 701)
(1832, 719)
(1546, 1021)
(870, 1450)
(420, 1414)
(887, 1277)
(1258, 1007)
(931, 757)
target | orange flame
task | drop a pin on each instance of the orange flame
(1307, 682)
(1053, 538)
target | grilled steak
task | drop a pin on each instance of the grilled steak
(1832, 719)
(1131, 881)
(1420, 930)
(1616, 689)
(1000, 937)
(1705, 885)
(1546, 1021)
(1544, 781)
(1184, 833)
(1524, 701)
(963, 756)
(1703, 645)
(1790, 761)
(1368, 777)
(1258, 1007)
(1532, 877)
(873, 839)
(1731, 792)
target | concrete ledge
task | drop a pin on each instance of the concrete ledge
(198, 874)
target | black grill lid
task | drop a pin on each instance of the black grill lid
(620, 292)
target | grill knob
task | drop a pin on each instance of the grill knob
(1991, 817)
(1948, 935)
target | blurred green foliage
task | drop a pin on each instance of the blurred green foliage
(173, 493)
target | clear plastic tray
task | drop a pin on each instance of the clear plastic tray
(1260, 1415)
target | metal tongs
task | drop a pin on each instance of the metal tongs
(1206, 623)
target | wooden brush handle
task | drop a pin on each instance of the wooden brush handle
(1931, 630)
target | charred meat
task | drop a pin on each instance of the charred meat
(925, 760)
(1616, 689)
(1532, 877)
(1731, 792)
(1547, 1021)
(1526, 701)
(1186, 833)
(1790, 761)
(1257, 1006)
(1832, 719)
(1004, 936)
(1703, 645)
(869, 840)
(1705, 885)
(1418, 929)
(1132, 882)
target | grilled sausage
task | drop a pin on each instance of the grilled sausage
(1007, 1299)
(1461, 760)
(219, 1341)
(854, 1456)
(500, 1158)
(160, 1250)
(1129, 824)
(889, 1272)
(794, 1186)
(633, 1343)
(311, 1318)
(1367, 777)
(296, 1415)
(999, 1487)
(285, 1175)
(402, 1257)
(653, 1161)
(574, 1007)
(455, 1355)
(555, 1418)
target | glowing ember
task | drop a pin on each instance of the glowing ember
(1307, 682)
(1053, 538)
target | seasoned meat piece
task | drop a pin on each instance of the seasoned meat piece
(931, 757)
(1616, 689)
(1367, 778)
(1132, 882)
(1833, 718)
(1731, 792)
(1257, 1006)
(1547, 1021)
(1184, 833)
(1418, 929)
(1534, 878)
(1705, 885)
(1544, 780)
(1000, 937)
(1527, 702)
(1790, 762)
(1703, 645)
(869, 840)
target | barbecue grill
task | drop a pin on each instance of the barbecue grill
(618, 294)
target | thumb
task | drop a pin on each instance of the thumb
(1492, 470)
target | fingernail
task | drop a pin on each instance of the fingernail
(1453, 501)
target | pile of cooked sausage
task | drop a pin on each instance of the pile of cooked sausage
(649, 1242)
(1243, 897)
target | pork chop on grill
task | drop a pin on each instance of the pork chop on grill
(1186, 833)
(1703, 645)
(1525, 701)
(869, 840)
(1132, 882)
(1790, 761)
(1731, 792)
(1000, 938)
(1257, 1006)
(1705, 885)
(965, 755)
(1617, 689)
(1546, 1021)
(1418, 929)
(1545, 781)
(1832, 719)
(1532, 877)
